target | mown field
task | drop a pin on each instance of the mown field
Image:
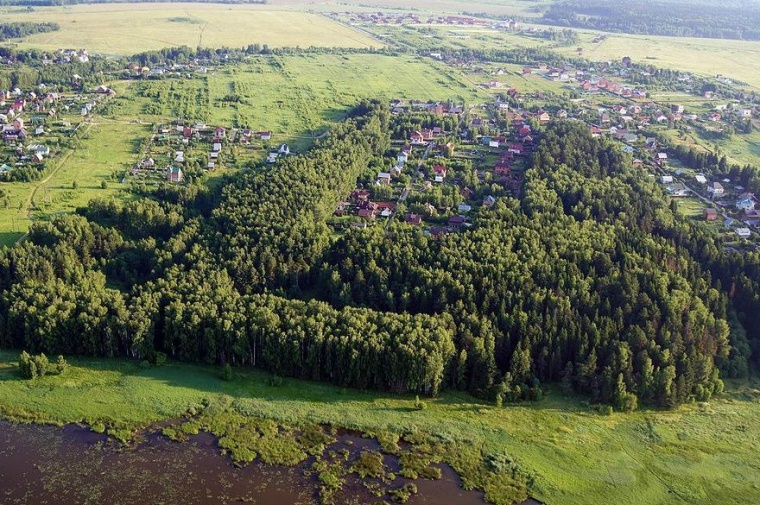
(699, 454)
(132, 28)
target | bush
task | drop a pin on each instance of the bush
(227, 372)
(61, 365)
(32, 367)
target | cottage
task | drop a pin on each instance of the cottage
(677, 189)
(746, 201)
(179, 157)
(667, 179)
(220, 132)
(743, 232)
(715, 189)
(383, 178)
(489, 201)
(265, 135)
(439, 171)
(502, 170)
(456, 222)
(216, 147)
(174, 174)
(359, 195)
(710, 214)
(413, 219)
(662, 159)
(701, 179)
(284, 149)
(463, 208)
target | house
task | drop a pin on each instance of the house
(439, 171)
(383, 178)
(359, 195)
(421, 137)
(413, 219)
(662, 159)
(284, 149)
(368, 213)
(174, 174)
(220, 132)
(743, 232)
(216, 147)
(677, 189)
(456, 222)
(489, 201)
(179, 157)
(265, 135)
(463, 208)
(502, 170)
(710, 214)
(385, 209)
(39, 130)
(715, 189)
(746, 201)
(667, 179)
(701, 179)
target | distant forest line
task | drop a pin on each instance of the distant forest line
(61, 3)
(725, 20)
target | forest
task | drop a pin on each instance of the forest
(590, 281)
(680, 18)
(18, 30)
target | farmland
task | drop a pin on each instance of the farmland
(124, 29)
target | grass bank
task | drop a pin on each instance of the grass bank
(698, 454)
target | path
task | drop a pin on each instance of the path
(29, 203)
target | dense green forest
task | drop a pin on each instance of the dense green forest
(589, 280)
(18, 30)
(725, 20)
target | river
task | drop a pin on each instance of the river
(73, 466)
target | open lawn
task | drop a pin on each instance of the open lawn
(700, 454)
(133, 28)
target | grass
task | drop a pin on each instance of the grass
(698, 454)
(736, 59)
(296, 97)
(132, 28)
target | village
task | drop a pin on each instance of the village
(440, 179)
(37, 125)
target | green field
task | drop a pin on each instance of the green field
(699, 454)
(133, 28)
(296, 97)
(736, 59)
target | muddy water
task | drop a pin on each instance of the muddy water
(72, 466)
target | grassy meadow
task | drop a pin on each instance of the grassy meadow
(698, 454)
(736, 59)
(132, 28)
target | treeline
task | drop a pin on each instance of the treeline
(177, 297)
(24, 29)
(58, 3)
(724, 20)
(270, 228)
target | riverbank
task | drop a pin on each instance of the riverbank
(702, 453)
